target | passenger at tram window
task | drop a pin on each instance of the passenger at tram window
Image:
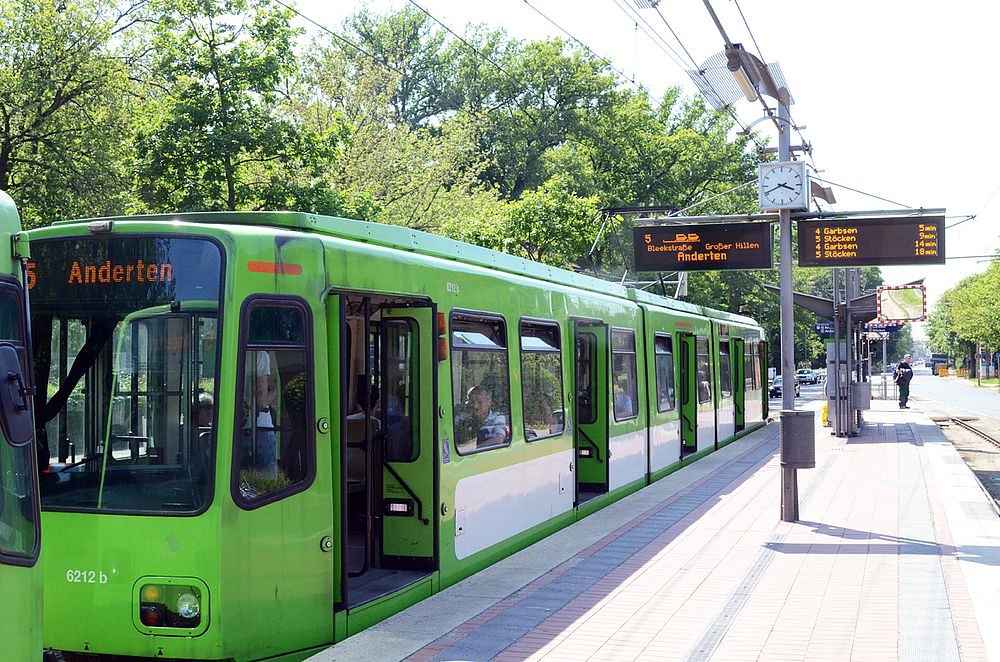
(624, 404)
(479, 424)
(259, 441)
(201, 453)
(624, 407)
(206, 412)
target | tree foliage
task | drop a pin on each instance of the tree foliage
(193, 105)
(966, 316)
(219, 138)
(64, 109)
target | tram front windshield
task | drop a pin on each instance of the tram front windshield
(126, 339)
(18, 520)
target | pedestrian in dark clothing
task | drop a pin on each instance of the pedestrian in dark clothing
(904, 373)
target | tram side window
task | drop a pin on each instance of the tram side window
(480, 382)
(586, 357)
(541, 380)
(18, 518)
(704, 370)
(725, 375)
(274, 440)
(623, 374)
(666, 396)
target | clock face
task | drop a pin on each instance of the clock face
(782, 186)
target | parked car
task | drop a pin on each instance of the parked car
(774, 389)
(820, 375)
(806, 376)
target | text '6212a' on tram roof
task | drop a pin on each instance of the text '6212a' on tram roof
(705, 247)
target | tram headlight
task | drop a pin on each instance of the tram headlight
(170, 606)
(188, 605)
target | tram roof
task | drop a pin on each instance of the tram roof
(417, 241)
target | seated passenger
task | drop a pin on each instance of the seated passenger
(203, 437)
(478, 425)
(624, 407)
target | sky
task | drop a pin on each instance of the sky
(898, 98)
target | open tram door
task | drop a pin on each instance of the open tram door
(590, 376)
(387, 432)
(688, 389)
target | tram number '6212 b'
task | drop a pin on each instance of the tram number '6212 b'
(86, 577)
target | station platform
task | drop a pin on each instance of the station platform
(896, 557)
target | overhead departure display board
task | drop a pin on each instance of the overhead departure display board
(871, 241)
(706, 247)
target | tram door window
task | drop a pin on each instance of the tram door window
(689, 388)
(591, 375)
(760, 368)
(739, 387)
(704, 371)
(274, 436)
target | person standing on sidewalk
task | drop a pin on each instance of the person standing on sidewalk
(904, 373)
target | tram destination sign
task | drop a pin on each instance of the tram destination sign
(871, 241)
(706, 247)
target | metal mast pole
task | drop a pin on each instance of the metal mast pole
(789, 477)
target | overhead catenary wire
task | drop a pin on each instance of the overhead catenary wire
(651, 33)
(510, 77)
(339, 37)
(870, 195)
(604, 60)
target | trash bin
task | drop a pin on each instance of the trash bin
(798, 438)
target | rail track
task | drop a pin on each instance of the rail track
(965, 425)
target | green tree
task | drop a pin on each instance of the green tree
(551, 225)
(407, 44)
(220, 137)
(389, 171)
(65, 133)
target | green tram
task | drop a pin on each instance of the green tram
(269, 431)
(20, 539)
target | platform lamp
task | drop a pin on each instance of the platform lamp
(723, 79)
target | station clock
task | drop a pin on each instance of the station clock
(783, 185)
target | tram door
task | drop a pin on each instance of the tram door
(591, 429)
(387, 449)
(739, 382)
(689, 400)
(408, 437)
